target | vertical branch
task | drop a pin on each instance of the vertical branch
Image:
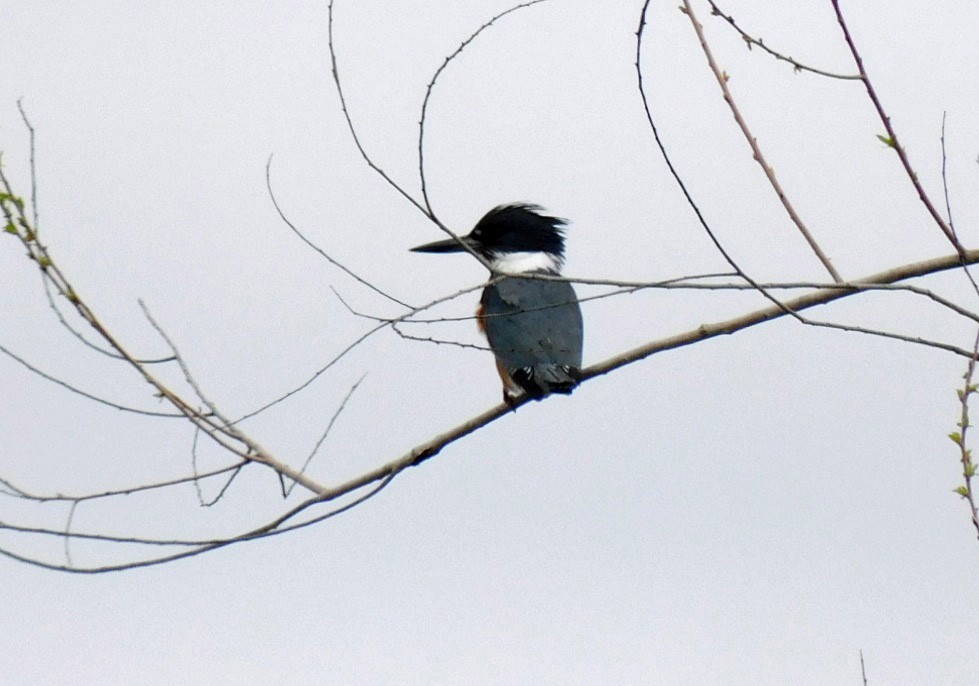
(959, 437)
(31, 135)
(948, 204)
(755, 149)
(948, 209)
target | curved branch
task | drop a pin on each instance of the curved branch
(339, 265)
(85, 394)
(751, 40)
(428, 95)
(350, 124)
(640, 32)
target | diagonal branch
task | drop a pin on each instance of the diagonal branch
(215, 427)
(434, 446)
(722, 79)
(729, 326)
(350, 123)
(640, 33)
(322, 253)
(892, 139)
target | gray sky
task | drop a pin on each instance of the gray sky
(755, 509)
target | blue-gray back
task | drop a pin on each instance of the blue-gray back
(533, 323)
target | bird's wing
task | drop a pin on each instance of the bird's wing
(532, 323)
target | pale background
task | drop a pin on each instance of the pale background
(752, 510)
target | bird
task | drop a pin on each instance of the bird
(533, 325)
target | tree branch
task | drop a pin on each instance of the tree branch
(750, 41)
(759, 157)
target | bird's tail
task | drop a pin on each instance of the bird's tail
(544, 379)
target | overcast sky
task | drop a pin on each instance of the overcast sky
(755, 509)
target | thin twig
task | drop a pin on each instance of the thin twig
(916, 340)
(188, 376)
(960, 437)
(759, 157)
(343, 353)
(326, 432)
(640, 33)
(423, 120)
(197, 478)
(85, 394)
(78, 334)
(336, 263)
(274, 529)
(33, 164)
(350, 124)
(948, 206)
(892, 139)
(438, 341)
(431, 85)
(71, 516)
(751, 40)
(16, 491)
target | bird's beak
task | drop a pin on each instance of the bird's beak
(447, 245)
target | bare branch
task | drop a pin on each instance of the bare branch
(326, 432)
(350, 124)
(892, 139)
(908, 271)
(17, 492)
(428, 95)
(750, 41)
(640, 33)
(219, 430)
(85, 394)
(33, 163)
(759, 157)
(322, 253)
(428, 449)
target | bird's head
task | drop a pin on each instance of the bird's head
(514, 239)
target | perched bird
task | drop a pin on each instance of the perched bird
(533, 325)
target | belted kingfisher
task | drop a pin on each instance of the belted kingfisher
(533, 325)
